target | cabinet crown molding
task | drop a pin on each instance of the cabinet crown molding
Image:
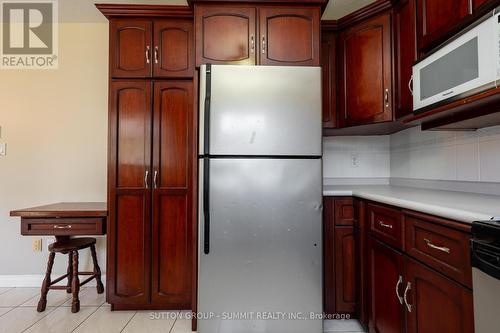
(321, 3)
(144, 11)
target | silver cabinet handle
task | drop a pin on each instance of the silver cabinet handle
(408, 288)
(435, 247)
(410, 85)
(156, 54)
(263, 44)
(154, 179)
(147, 55)
(382, 224)
(146, 178)
(62, 226)
(252, 44)
(386, 98)
(397, 289)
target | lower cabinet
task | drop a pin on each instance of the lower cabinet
(150, 184)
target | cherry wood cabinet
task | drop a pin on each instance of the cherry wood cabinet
(366, 72)
(386, 271)
(150, 196)
(405, 55)
(437, 20)
(340, 294)
(226, 35)
(431, 295)
(257, 35)
(129, 193)
(289, 36)
(329, 77)
(361, 261)
(151, 48)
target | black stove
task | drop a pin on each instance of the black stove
(485, 247)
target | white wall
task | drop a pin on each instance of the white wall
(454, 156)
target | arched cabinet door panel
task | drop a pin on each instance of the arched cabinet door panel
(225, 35)
(289, 36)
(130, 48)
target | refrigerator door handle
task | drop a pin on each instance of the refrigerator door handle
(206, 116)
(206, 205)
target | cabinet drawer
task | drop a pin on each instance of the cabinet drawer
(386, 224)
(63, 226)
(442, 248)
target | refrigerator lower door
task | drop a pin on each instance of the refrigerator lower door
(261, 110)
(263, 271)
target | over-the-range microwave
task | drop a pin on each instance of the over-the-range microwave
(465, 65)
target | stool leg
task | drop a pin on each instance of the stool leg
(75, 285)
(42, 303)
(70, 271)
(97, 270)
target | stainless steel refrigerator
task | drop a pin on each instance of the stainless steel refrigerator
(260, 172)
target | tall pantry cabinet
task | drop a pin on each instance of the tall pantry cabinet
(152, 146)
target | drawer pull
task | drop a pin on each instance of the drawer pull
(62, 226)
(435, 247)
(382, 224)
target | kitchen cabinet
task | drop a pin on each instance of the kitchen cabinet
(361, 261)
(289, 36)
(226, 35)
(340, 288)
(366, 72)
(151, 48)
(129, 196)
(405, 55)
(431, 295)
(329, 77)
(386, 271)
(257, 35)
(150, 196)
(438, 20)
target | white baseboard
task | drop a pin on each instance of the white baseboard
(11, 281)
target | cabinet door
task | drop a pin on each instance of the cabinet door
(406, 55)
(431, 295)
(129, 183)
(289, 36)
(438, 19)
(329, 76)
(173, 54)
(479, 3)
(361, 243)
(345, 270)
(130, 48)
(225, 35)
(366, 70)
(172, 194)
(386, 280)
(329, 255)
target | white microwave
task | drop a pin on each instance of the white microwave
(466, 65)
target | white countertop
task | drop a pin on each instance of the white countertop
(458, 206)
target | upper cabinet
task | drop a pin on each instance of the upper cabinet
(438, 18)
(156, 48)
(289, 36)
(225, 35)
(366, 72)
(405, 55)
(257, 35)
(329, 75)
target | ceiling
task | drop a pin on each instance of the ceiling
(85, 11)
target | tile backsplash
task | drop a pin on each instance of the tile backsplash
(414, 154)
(455, 156)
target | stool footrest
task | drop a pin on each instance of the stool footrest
(87, 280)
(58, 287)
(59, 279)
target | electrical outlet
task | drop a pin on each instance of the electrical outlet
(37, 245)
(354, 161)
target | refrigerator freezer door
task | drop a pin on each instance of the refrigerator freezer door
(265, 254)
(262, 110)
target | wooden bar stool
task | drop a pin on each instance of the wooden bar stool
(70, 246)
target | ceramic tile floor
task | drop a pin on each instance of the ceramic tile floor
(18, 314)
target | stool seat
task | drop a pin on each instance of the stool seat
(72, 244)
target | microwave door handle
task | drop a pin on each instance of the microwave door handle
(410, 85)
